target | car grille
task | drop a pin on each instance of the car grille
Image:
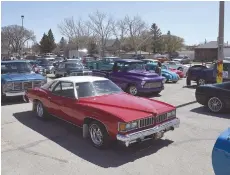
(161, 118)
(153, 85)
(146, 122)
(28, 85)
(152, 120)
(18, 86)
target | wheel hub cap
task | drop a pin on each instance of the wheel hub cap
(201, 82)
(133, 90)
(215, 104)
(39, 110)
(96, 135)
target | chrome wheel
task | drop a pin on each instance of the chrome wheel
(201, 82)
(96, 135)
(39, 110)
(133, 90)
(215, 104)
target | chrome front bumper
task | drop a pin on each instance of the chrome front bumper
(13, 94)
(140, 135)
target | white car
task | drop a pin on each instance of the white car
(177, 65)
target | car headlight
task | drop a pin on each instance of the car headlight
(142, 83)
(124, 127)
(171, 114)
(8, 86)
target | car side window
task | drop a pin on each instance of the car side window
(57, 89)
(67, 89)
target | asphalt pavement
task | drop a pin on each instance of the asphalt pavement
(34, 147)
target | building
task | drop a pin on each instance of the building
(208, 52)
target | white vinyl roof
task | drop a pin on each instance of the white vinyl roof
(80, 79)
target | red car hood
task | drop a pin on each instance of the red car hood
(127, 107)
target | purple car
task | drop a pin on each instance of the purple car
(132, 77)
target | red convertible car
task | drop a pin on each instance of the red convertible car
(103, 110)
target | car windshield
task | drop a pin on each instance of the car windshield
(97, 88)
(45, 62)
(15, 67)
(59, 59)
(132, 66)
(74, 65)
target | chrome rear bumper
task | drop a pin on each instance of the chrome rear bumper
(140, 135)
(12, 94)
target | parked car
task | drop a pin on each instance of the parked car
(215, 96)
(178, 66)
(165, 66)
(36, 68)
(71, 69)
(103, 110)
(169, 75)
(220, 154)
(203, 75)
(47, 64)
(85, 60)
(106, 63)
(138, 57)
(16, 77)
(132, 77)
(161, 58)
(183, 59)
(178, 72)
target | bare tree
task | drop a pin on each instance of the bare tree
(76, 31)
(15, 37)
(135, 27)
(102, 26)
(120, 31)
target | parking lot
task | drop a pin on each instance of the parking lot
(32, 146)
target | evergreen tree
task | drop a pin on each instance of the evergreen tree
(62, 44)
(45, 44)
(51, 40)
(156, 39)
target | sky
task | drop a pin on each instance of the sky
(194, 21)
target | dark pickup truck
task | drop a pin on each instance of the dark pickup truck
(132, 77)
(203, 75)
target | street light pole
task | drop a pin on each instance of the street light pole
(22, 17)
(219, 77)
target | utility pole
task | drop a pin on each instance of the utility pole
(22, 17)
(219, 76)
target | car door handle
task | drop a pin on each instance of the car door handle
(49, 98)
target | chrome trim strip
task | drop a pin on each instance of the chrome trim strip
(132, 137)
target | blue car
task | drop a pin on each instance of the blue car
(169, 75)
(17, 76)
(221, 154)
